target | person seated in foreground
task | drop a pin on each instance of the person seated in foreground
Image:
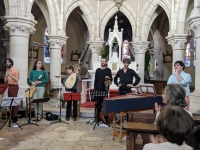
(196, 134)
(175, 125)
(174, 94)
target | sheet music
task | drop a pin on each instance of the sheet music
(145, 87)
(6, 101)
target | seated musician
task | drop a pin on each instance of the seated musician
(125, 76)
(69, 71)
(174, 94)
(175, 126)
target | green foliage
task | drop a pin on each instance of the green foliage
(147, 59)
(106, 51)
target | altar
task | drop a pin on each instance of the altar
(114, 64)
(115, 58)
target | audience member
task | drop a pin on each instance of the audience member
(175, 125)
(174, 94)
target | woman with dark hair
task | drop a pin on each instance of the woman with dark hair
(38, 77)
(69, 71)
(175, 125)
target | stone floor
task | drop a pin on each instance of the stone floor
(78, 135)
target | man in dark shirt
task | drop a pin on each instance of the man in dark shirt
(126, 78)
(101, 74)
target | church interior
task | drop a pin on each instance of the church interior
(153, 34)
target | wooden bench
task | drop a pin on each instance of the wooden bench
(139, 129)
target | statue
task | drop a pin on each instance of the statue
(152, 64)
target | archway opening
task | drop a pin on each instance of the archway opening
(78, 33)
(37, 40)
(157, 65)
(123, 22)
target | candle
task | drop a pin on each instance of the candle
(155, 66)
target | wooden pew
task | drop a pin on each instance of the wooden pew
(140, 126)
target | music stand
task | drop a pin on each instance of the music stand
(11, 101)
(59, 118)
(72, 96)
(96, 95)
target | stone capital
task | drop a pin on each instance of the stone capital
(177, 41)
(194, 24)
(96, 47)
(140, 47)
(57, 41)
(19, 26)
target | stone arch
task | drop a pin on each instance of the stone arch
(148, 11)
(87, 10)
(52, 17)
(6, 4)
(111, 10)
(181, 17)
(45, 12)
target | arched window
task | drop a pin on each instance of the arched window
(190, 50)
(47, 48)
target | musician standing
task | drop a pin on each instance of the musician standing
(38, 71)
(101, 75)
(126, 78)
(70, 70)
(12, 77)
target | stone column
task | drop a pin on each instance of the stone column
(19, 29)
(194, 24)
(95, 48)
(56, 43)
(178, 43)
(140, 48)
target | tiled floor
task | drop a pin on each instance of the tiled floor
(77, 135)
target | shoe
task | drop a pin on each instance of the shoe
(74, 119)
(14, 119)
(67, 118)
(36, 118)
(15, 126)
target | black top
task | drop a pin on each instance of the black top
(100, 75)
(126, 78)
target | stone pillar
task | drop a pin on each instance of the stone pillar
(140, 48)
(56, 43)
(19, 29)
(178, 43)
(194, 24)
(95, 48)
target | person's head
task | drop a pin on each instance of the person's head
(69, 69)
(175, 124)
(174, 94)
(103, 62)
(126, 62)
(38, 65)
(179, 65)
(8, 63)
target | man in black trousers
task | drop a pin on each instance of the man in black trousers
(126, 78)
